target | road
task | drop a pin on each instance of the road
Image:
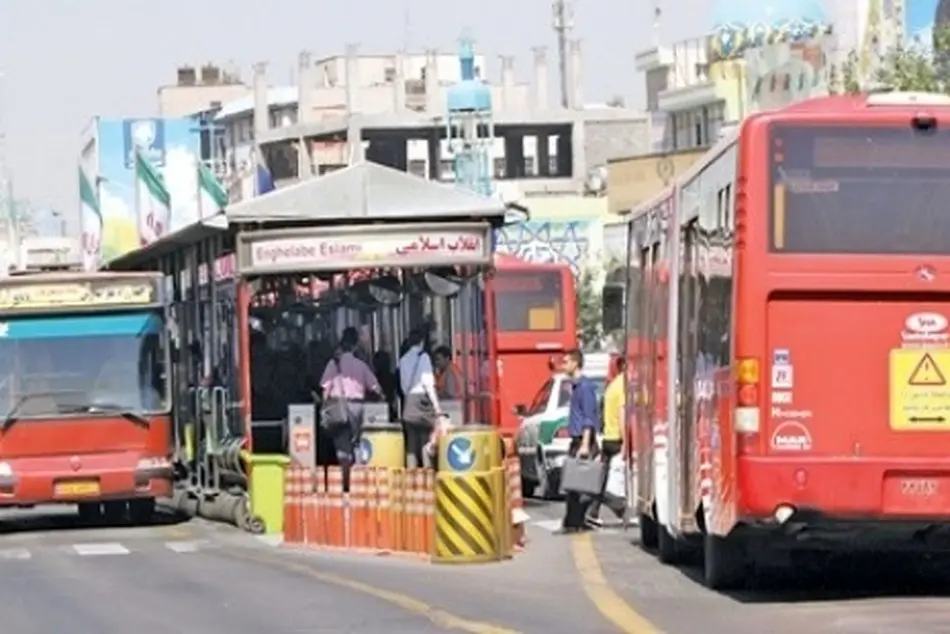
(853, 595)
(197, 577)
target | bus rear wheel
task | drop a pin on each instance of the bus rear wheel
(724, 562)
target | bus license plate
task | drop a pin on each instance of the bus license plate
(912, 494)
(76, 488)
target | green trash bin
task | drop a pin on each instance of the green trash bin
(266, 475)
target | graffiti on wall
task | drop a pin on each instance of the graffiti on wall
(786, 72)
(548, 241)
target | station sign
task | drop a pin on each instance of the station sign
(86, 294)
(365, 247)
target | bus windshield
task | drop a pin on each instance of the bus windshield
(528, 301)
(82, 364)
(848, 189)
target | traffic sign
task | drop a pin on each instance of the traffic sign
(461, 454)
(365, 451)
(926, 373)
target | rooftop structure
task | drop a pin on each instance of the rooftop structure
(392, 109)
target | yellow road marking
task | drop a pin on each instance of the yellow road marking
(435, 615)
(598, 590)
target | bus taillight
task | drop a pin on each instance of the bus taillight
(746, 419)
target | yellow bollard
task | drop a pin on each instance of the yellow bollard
(470, 448)
(466, 523)
(382, 445)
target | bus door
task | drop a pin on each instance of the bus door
(644, 360)
(690, 423)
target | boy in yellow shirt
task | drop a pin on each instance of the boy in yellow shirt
(614, 431)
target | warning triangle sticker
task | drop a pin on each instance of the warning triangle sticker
(926, 373)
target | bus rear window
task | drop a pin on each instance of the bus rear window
(528, 301)
(848, 189)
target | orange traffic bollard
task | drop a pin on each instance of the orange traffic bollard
(384, 505)
(320, 502)
(428, 511)
(336, 523)
(358, 523)
(516, 502)
(371, 499)
(291, 515)
(397, 489)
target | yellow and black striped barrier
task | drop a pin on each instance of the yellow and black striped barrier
(466, 518)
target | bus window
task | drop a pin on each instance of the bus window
(528, 301)
(861, 190)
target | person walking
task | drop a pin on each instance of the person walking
(615, 404)
(420, 406)
(345, 384)
(583, 424)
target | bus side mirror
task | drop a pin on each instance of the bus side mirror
(520, 410)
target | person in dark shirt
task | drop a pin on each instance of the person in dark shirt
(583, 424)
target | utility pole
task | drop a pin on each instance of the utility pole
(7, 205)
(563, 25)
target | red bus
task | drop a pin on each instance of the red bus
(84, 393)
(805, 314)
(534, 319)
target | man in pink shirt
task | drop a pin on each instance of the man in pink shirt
(344, 386)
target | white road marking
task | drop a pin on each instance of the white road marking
(548, 525)
(106, 548)
(15, 553)
(184, 546)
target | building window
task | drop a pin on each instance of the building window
(419, 167)
(498, 166)
(447, 170)
(530, 166)
(699, 136)
(390, 74)
(716, 115)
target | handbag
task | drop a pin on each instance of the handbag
(335, 412)
(582, 475)
(417, 408)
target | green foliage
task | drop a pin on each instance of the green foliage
(589, 301)
(910, 68)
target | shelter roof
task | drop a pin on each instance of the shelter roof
(367, 191)
(363, 192)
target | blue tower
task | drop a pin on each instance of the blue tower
(469, 126)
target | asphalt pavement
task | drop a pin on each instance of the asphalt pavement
(198, 577)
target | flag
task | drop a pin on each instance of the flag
(265, 182)
(211, 195)
(152, 202)
(90, 218)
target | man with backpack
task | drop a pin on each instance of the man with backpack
(345, 384)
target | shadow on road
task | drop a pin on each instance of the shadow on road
(816, 577)
(67, 518)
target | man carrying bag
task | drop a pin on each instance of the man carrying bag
(582, 474)
(344, 385)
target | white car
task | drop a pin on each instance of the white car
(542, 439)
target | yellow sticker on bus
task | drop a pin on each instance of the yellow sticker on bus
(74, 294)
(920, 395)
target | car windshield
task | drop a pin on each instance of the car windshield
(82, 364)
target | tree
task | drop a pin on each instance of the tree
(589, 302)
(920, 66)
